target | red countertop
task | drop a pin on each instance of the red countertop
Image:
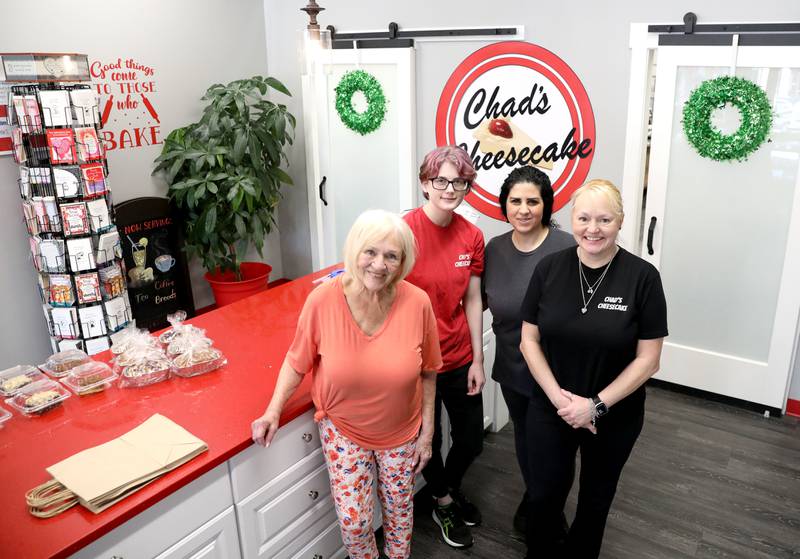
(218, 407)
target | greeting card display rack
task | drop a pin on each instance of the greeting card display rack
(68, 213)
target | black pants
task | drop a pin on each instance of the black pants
(466, 429)
(551, 460)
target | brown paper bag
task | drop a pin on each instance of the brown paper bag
(102, 475)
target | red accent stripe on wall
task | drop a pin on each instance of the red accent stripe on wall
(793, 407)
(6, 144)
(3, 111)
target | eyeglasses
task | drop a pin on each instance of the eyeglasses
(441, 183)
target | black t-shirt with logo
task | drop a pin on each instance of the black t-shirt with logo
(587, 351)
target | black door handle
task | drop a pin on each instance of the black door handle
(322, 191)
(650, 231)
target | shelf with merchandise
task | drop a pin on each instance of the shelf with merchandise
(69, 213)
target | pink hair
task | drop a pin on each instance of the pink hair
(447, 154)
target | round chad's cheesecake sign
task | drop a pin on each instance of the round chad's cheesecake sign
(511, 104)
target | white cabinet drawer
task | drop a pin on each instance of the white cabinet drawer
(328, 545)
(159, 527)
(252, 468)
(216, 539)
(282, 511)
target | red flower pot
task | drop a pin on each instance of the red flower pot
(227, 289)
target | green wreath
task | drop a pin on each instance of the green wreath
(371, 119)
(753, 106)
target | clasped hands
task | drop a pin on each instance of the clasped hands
(575, 410)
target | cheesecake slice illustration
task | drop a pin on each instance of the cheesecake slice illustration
(501, 134)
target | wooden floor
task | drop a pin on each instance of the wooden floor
(705, 480)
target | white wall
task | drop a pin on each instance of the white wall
(592, 37)
(191, 44)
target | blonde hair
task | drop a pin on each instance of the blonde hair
(607, 189)
(373, 226)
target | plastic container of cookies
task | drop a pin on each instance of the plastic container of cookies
(89, 378)
(60, 364)
(38, 397)
(5, 415)
(14, 379)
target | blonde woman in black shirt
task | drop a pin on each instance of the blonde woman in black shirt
(594, 323)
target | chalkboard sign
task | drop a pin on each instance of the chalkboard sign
(156, 269)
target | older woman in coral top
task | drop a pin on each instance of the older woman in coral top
(375, 414)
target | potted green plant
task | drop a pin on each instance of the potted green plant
(224, 179)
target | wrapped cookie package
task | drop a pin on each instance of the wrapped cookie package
(140, 360)
(38, 397)
(61, 363)
(89, 378)
(14, 379)
(192, 353)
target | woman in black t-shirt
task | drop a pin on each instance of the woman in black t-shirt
(594, 323)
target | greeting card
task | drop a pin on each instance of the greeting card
(51, 255)
(29, 214)
(98, 215)
(64, 322)
(108, 247)
(112, 283)
(93, 322)
(20, 156)
(97, 345)
(33, 119)
(86, 106)
(64, 345)
(94, 183)
(55, 107)
(68, 181)
(118, 311)
(88, 288)
(88, 144)
(62, 145)
(75, 220)
(19, 110)
(80, 254)
(60, 290)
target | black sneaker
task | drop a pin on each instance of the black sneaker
(454, 532)
(521, 517)
(469, 512)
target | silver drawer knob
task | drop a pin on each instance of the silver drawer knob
(313, 494)
(307, 437)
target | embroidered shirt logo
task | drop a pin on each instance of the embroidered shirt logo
(464, 260)
(612, 304)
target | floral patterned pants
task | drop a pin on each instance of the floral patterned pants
(352, 470)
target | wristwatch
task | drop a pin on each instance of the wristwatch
(600, 409)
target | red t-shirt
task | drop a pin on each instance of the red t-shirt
(369, 386)
(447, 258)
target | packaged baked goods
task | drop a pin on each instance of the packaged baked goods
(61, 363)
(180, 334)
(148, 367)
(198, 360)
(175, 321)
(38, 397)
(131, 338)
(89, 378)
(12, 380)
(5, 415)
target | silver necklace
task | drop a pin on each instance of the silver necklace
(591, 289)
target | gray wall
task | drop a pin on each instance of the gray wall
(191, 44)
(592, 37)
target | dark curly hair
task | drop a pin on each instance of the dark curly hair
(534, 176)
